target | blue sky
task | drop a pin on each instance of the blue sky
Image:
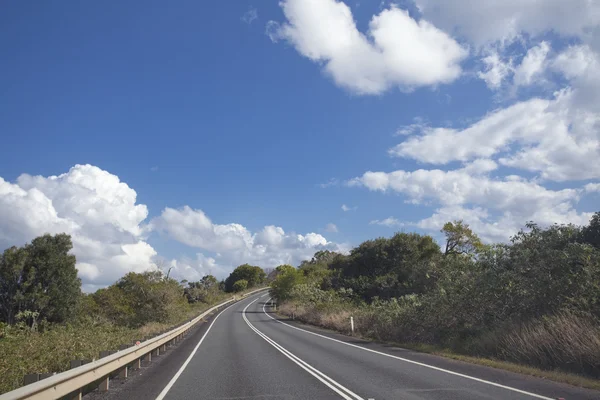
(241, 111)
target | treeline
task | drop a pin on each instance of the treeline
(534, 301)
(46, 320)
(39, 287)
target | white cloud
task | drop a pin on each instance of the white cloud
(331, 228)
(389, 222)
(417, 126)
(234, 244)
(194, 228)
(250, 15)
(496, 209)
(557, 139)
(581, 66)
(109, 234)
(397, 51)
(483, 22)
(532, 66)
(521, 199)
(496, 70)
(346, 208)
(488, 229)
(592, 188)
(329, 183)
(93, 206)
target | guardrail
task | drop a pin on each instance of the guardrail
(71, 382)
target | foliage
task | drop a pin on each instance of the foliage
(387, 268)
(254, 275)
(285, 281)
(141, 298)
(206, 290)
(535, 300)
(40, 277)
(460, 239)
(591, 234)
(240, 285)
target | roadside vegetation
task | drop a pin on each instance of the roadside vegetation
(534, 301)
(46, 321)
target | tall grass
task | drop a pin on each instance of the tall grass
(562, 342)
(24, 352)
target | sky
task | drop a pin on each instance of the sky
(198, 136)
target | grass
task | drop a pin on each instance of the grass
(338, 321)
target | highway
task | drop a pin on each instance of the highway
(247, 353)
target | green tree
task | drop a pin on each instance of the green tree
(254, 275)
(460, 239)
(591, 234)
(288, 278)
(137, 299)
(40, 278)
(12, 265)
(240, 285)
(386, 268)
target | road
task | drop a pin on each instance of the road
(246, 353)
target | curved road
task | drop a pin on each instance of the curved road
(246, 353)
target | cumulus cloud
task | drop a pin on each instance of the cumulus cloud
(93, 206)
(397, 50)
(234, 244)
(109, 232)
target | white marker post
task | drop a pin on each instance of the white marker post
(352, 324)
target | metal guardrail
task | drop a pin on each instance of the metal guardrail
(72, 381)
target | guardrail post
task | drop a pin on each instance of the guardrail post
(163, 348)
(104, 384)
(137, 364)
(78, 394)
(149, 357)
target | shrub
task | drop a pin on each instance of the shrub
(240, 285)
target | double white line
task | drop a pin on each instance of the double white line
(343, 391)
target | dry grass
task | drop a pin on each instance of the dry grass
(551, 348)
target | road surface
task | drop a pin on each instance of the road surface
(246, 353)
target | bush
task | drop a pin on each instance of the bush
(240, 285)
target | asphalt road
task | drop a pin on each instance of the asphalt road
(246, 353)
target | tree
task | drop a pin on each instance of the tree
(12, 264)
(240, 285)
(40, 278)
(591, 234)
(460, 239)
(254, 275)
(209, 282)
(288, 278)
(137, 299)
(387, 268)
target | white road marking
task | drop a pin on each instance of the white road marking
(174, 379)
(344, 392)
(411, 361)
